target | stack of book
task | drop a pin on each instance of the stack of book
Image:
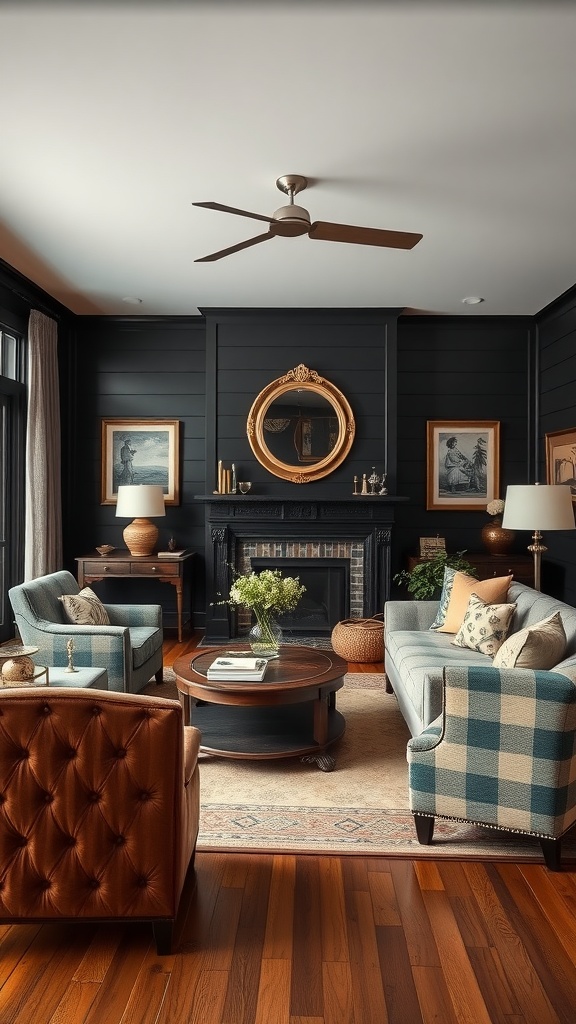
(230, 667)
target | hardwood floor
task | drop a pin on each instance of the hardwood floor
(284, 939)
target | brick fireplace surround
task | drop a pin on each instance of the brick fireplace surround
(239, 527)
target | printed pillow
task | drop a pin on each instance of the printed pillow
(493, 591)
(447, 583)
(85, 609)
(485, 626)
(540, 646)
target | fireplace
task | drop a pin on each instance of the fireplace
(242, 527)
(327, 597)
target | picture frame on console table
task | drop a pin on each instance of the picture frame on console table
(561, 459)
(140, 451)
(463, 464)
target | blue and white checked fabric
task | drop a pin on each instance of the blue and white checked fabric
(503, 752)
(130, 648)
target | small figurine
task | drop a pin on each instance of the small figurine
(364, 484)
(355, 491)
(172, 544)
(70, 649)
(373, 480)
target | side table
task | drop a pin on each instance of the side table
(174, 569)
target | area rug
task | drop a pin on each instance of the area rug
(359, 808)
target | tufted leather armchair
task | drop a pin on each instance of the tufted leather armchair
(99, 807)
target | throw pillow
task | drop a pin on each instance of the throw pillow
(539, 646)
(493, 591)
(485, 626)
(447, 583)
(85, 609)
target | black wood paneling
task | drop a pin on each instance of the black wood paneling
(459, 368)
(557, 348)
(149, 369)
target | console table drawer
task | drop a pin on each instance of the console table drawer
(103, 567)
(155, 569)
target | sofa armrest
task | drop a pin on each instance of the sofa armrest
(409, 615)
(428, 739)
(135, 614)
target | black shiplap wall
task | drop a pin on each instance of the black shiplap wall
(557, 344)
(460, 368)
(149, 369)
(354, 349)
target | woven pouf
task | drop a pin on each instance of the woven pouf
(359, 639)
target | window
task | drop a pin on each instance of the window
(12, 469)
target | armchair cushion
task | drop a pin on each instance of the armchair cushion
(85, 609)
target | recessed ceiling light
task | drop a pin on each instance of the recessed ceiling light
(132, 300)
(472, 300)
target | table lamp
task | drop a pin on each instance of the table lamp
(140, 501)
(538, 507)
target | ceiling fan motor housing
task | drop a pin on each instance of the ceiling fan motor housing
(290, 221)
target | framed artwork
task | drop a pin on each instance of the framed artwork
(561, 458)
(463, 464)
(140, 452)
(431, 546)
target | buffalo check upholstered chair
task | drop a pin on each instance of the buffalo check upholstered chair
(502, 754)
(129, 647)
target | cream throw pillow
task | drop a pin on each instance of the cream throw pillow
(485, 626)
(493, 591)
(540, 646)
(85, 609)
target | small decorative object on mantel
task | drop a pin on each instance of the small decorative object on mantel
(496, 539)
(226, 481)
(244, 486)
(371, 485)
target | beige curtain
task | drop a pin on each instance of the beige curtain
(43, 543)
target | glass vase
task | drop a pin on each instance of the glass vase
(265, 636)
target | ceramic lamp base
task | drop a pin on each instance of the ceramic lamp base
(140, 537)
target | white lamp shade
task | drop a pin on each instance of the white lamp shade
(538, 507)
(141, 501)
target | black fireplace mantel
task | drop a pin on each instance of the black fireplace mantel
(232, 518)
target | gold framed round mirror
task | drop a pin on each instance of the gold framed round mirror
(300, 427)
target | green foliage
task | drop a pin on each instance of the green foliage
(425, 580)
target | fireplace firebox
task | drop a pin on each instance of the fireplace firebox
(327, 597)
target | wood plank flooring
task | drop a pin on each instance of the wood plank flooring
(285, 939)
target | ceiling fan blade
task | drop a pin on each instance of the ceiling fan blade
(233, 209)
(235, 248)
(363, 236)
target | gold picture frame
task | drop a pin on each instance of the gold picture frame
(561, 458)
(463, 464)
(140, 451)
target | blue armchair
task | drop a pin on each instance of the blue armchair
(501, 754)
(130, 648)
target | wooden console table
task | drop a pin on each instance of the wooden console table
(120, 564)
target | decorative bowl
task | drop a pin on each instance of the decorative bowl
(105, 549)
(244, 486)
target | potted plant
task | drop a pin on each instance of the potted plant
(264, 594)
(425, 580)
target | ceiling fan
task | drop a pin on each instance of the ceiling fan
(294, 220)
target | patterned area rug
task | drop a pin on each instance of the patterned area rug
(361, 807)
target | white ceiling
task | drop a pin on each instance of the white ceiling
(457, 120)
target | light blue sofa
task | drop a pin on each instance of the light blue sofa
(415, 656)
(130, 648)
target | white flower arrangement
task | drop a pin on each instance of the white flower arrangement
(495, 507)
(268, 589)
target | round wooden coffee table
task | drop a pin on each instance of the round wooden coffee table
(291, 713)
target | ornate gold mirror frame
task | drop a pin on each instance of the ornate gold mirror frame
(301, 385)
